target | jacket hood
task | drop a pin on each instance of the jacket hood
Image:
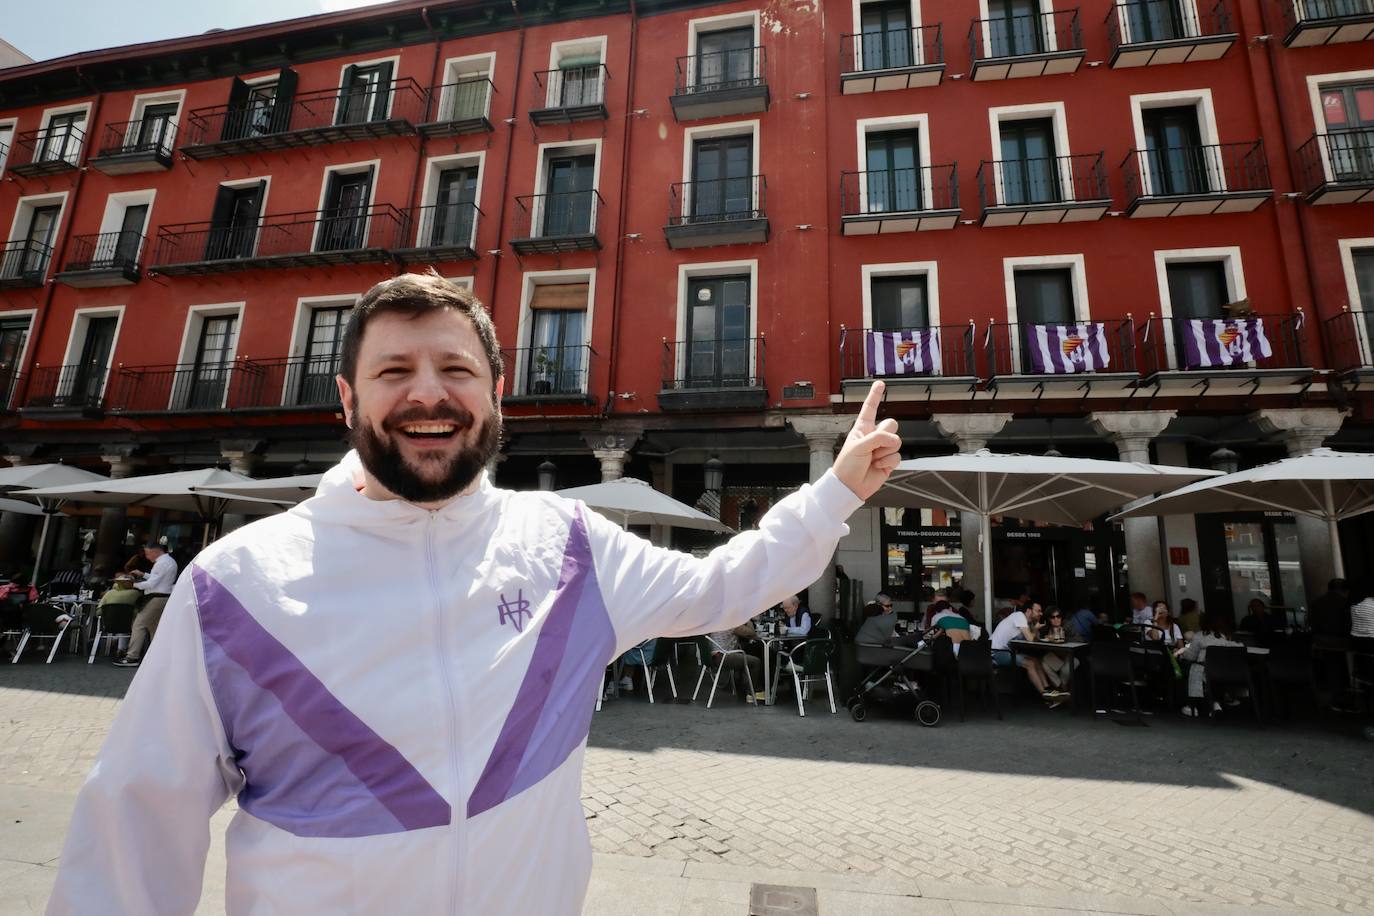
(339, 500)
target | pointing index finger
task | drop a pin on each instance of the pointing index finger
(868, 414)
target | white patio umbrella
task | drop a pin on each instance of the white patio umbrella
(23, 477)
(283, 489)
(1327, 485)
(19, 507)
(178, 490)
(1063, 491)
(628, 501)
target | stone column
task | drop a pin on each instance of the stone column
(612, 462)
(1180, 531)
(1301, 430)
(969, 432)
(244, 456)
(823, 434)
(17, 531)
(1132, 431)
(110, 550)
(612, 449)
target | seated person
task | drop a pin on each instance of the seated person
(956, 628)
(1189, 616)
(738, 662)
(796, 620)
(635, 658)
(1258, 620)
(964, 607)
(877, 630)
(1052, 629)
(18, 584)
(935, 609)
(1211, 633)
(881, 604)
(1080, 625)
(1022, 625)
(1164, 627)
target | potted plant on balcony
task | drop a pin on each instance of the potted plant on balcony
(544, 371)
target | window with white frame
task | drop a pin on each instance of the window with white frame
(888, 34)
(123, 229)
(32, 236)
(466, 91)
(723, 52)
(365, 91)
(1144, 21)
(152, 124)
(1357, 262)
(716, 324)
(576, 68)
(207, 357)
(317, 351)
(720, 172)
(345, 203)
(567, 199)
(90, 350)
(894, 153)
(1031, 147)
(1343, 111)
(900, 297)
(1177, 148)
(62, 135)
(14, 337)
(557, 326)
(1042, 291)
(450, 201)
(1198, 283)
(1012, 28)
(6, 142)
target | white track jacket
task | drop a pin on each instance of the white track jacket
(400, 700)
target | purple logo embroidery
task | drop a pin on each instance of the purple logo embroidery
(516, 612)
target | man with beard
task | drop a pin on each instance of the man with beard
(396, 678)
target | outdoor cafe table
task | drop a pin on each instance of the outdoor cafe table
(1070, 649)
(769, 687)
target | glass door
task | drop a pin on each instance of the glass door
(210, 373)
(454, 207)
(154, 130)
(38, 242)
(556, 352)
(1349, 115)
(1154, 20)
(13, 334)
(899, 303)
(722, 180)
(130, 236)
(1029, 170)
(893, 173)
(1174, 152)
(323, 347)
(885, 36)
(725, 59)
(1014, 28)
(568, 201)
(234, 225)
(62, 140)
(88, 380)
(718, 333)
(344, 224)
(1042, 297)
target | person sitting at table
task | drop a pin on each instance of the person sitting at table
(1259, 621)
(1141, 612)
(964, 608)
(796, 620)
(1022, 625)
(738, 662)
(880, 605)
(18, 585)
(1329, 615)
(1080, 625)
(1189, 618)
(956, 628)
(936, 608)
(1056, 666)
(1211, 633)
(156, 587)
(1164, 628)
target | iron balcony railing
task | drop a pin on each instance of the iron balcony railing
(24, 262)
(1022, 36)
(48, 150)
(466, 99)
(1029, 182)
(105, 251)
(78, 386)
(572, 87)
(915, 190)
(332, 114)
(321, 236)
(155, 137)
(270, 384)
(713, 364)
(892, 49)
(1138, 22)
(1349, 340)
(1338, 157)
(296, 381)
(1166, 344)
(554, 216)
(1011, 348)
(440, 226)
(717, 200)
(1298, 13)
(714, 71)
(1178, 171)
(548, 372)
(864, 352)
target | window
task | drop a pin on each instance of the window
(260, 107)
(568, 189)
(1045, 296)
(1014, 28)
(899, 303)
(725, 58)
(343, 220)
(29, 260)
(466, 94)
(557, 355)
(6, 142)
(718, 325)
(1363, 261)
(323, 350)
(1175, 157)
(234, 222)
(1154, 20)
(87, 379)
(455, 207)
(209, 376)
(885, 35)
(365, 94)
(1029, 169)
(1198, 289)
(1348, 113)
(14, 334)
(155, 129)
(722, 178)
(62, 138)
(130, 238)
(893, 171)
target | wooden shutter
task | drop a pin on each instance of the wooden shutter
(346, 91)
(561, 296)
(234, 117)
(383, 99)
(286, 95)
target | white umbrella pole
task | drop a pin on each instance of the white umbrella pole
(1333, 532)
(985, 547)
(42, 542)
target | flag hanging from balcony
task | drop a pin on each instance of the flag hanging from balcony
(914, 352)
(1223, 342)
(1064, 348)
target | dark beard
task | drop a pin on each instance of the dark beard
(383, 460)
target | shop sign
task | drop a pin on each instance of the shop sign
(950, 533)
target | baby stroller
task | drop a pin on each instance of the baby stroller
(891, 680)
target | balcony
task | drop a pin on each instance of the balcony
(1239, 356)
(1349, 340)
(66, 392)
(925, 364)
(1148, 33)
(899, 200)
(1027, 192)
(1043, 44)
(46, 152)
(721, 211)
(571, 94)
(1196, 180)
(548, 375)
(308, 119)
(894, 59)
(1338, 168)
(286, 383)
(11, 383)
(462, 107)
(439, 232)
(310, 239)
(135, 146)
(713, 375)
(1306, 23)
(106, 259)
(1083, 360)
(555, 223)
(23, 264)
(720, 83)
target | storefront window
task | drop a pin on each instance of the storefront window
(1247, 564)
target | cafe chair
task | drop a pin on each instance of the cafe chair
(708, 647)
(40, 622)
(1289, 666)
(66, 582)
(659, 657)
(1229, 666)
(809, 663)
(113, 623)
(975, 664)
(1110, 660)
(12, 615)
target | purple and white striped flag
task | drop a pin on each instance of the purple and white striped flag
(1223, 342)
(1064, 348)
(914, 352)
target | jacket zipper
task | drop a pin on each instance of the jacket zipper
(457, 812)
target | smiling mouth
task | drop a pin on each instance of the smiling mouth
(429, 432)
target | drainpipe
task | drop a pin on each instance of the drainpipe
(505, 168)
(60, 250)
(618, 292)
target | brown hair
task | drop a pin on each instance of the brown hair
(415, 295)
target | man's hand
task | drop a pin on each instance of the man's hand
(872, 449)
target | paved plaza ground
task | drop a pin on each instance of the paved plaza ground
(687, 807)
